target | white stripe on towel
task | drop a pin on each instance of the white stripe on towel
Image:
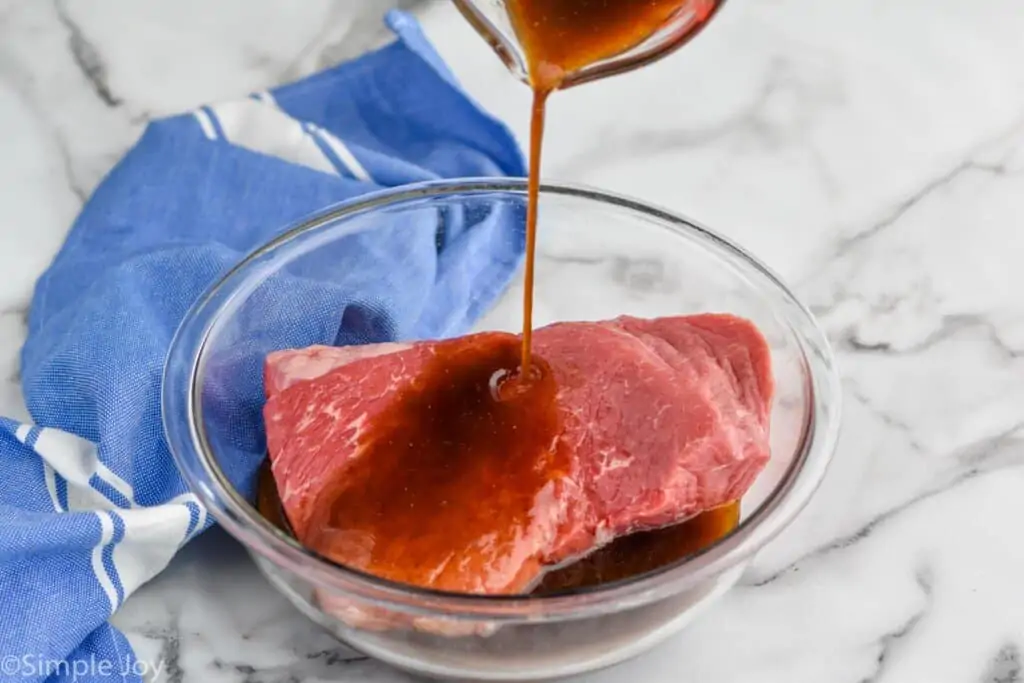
(49, 476)
(266, 129)
(51, 486)
(21, 433)
(151, 537)
(205, 123)
(265, 97)
(185, 498)
(106, 536)
(77, 460)
(345, 154)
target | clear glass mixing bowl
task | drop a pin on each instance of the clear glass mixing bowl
(599, 256)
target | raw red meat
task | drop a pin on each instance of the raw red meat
(658, 420)
(285, 368)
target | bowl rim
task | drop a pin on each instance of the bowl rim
(185, 364)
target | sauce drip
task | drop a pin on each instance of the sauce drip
(560, 37)
(455, 470)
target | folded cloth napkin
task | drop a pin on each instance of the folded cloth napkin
(91, 505)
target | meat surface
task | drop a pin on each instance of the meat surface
(285, 368)
(656, 421)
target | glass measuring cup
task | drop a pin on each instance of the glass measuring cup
(495, 21)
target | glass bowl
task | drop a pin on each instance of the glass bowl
(599, 256)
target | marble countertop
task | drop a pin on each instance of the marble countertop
(871, 152)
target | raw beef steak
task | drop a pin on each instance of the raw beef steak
(657, 421)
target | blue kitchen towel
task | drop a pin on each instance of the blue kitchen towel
(91, 505)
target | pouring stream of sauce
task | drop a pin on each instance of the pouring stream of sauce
(563, 36)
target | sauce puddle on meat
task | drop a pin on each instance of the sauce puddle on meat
(458, 461)
(464, 456)
(623, 558)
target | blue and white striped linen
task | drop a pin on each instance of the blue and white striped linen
(91, 505)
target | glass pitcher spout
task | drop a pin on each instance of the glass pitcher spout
(561, 43)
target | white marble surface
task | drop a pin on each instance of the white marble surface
(872, 152)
